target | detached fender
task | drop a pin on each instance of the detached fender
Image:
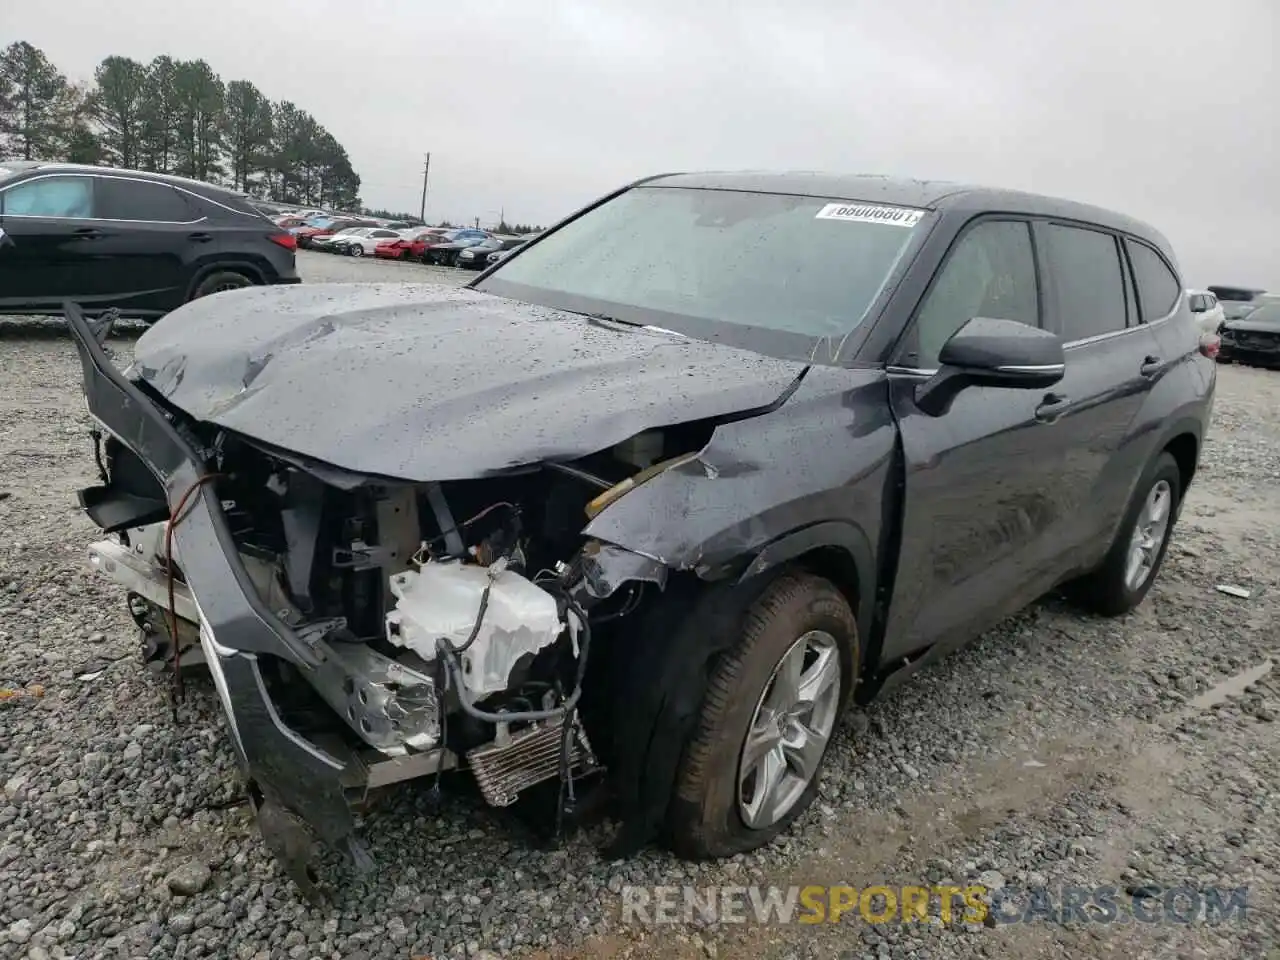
(236, 627)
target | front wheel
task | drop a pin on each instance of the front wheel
(1129, 570)
(356, 250)
(752, 765)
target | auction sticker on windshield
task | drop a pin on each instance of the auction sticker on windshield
(870, 213)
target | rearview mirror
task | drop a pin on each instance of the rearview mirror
(992, 353)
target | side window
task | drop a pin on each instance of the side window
(1087, 281)
(62, 197)
(136, 200)
(1158, 288)
(991, 273)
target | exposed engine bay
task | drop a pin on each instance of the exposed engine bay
(456, 619)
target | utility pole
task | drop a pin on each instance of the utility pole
(426, 170)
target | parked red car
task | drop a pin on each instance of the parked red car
(411, 248)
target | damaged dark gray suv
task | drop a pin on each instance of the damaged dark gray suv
(643, 507)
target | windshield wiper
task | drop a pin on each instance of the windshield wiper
(599, 318)
(603, 318)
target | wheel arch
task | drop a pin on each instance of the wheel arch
(836, 550)
(246, 267)
(1184, 446)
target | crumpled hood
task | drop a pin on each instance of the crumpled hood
(427, 382)
(1248, 325)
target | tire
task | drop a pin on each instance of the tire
(355, 250)
(1109, 590)
(714, 793)
(220, 281)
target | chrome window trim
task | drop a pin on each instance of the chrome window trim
(1033, 368)
(113, 176)
(911, 371)
(1119, 333)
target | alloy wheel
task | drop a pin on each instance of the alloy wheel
(1149, 534)
(789, 730)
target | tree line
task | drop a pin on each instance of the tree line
(172, 116)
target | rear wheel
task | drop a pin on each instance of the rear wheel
(1129, 570)
(771, 706)
(220, 281)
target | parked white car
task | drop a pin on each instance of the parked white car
(363, 242)
(1208, 310)
(330, 242)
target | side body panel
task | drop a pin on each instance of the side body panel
(825, 457)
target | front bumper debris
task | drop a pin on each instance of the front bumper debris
(292, 780)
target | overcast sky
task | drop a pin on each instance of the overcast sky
(1167, 111)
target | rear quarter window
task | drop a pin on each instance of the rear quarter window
(1158, 287)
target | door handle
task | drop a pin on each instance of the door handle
(86, 233)
(1150, 366)
(1051, 407)
(201, 237)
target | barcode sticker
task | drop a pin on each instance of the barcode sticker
(870, 213)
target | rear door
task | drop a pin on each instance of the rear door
(151, 233)
(980, 493)
(1112, 361)
(49, 220)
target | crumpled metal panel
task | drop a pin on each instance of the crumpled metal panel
(424, 382)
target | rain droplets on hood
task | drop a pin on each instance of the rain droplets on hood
(431, 382)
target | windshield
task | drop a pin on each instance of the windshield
(777, 274)
(1266, 313)
(1234, 310)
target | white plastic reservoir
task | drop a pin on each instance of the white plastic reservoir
(442, 600)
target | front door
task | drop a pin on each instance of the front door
(49, 223)
(980, 494)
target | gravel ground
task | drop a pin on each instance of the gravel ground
(1056, 749)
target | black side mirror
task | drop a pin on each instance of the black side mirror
(5, 239)
(992, 353)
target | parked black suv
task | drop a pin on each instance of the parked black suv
(706, 461)
(142, 242)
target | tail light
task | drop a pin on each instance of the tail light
(1209, 345)
(286, 240)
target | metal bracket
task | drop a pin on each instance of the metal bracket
(360, 556)
(101, 327)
